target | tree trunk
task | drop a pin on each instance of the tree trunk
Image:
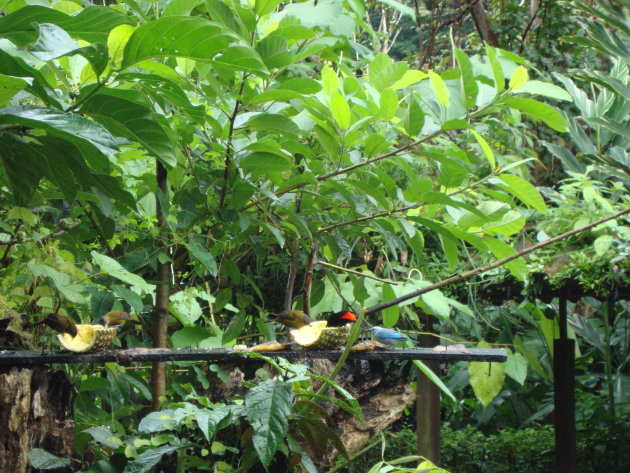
(484, 28)
(34, 405)
(163, 292)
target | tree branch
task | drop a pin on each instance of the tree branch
(356, 273)
(495, 264)
(353, 167)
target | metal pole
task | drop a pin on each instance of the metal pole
(564, 394)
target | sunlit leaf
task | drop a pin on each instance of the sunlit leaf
(486, 378)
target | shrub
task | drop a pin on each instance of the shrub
(530, 450)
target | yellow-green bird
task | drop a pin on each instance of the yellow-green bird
(115, 318)
(293, 318)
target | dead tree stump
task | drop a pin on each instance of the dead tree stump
(34, 406)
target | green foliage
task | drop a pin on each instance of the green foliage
(285, 127)
(269, 425)
(527, 450)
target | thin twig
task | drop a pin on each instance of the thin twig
(387, 213)
(356, 273)
(308, 277)
(527, 28)
(98, 228)
(293, 267)
(230, 148)
(495, 264)
(26, 240)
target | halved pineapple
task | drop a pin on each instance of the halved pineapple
(89, 338)
(316, 335)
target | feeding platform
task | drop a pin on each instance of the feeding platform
(27, 358)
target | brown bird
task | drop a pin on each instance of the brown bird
(293, 318)
(59, 323)
(115, 318)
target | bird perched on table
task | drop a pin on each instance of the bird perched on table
(339, 319)
(293, 318)
(59, 323)
(388, 336)
(115, 318)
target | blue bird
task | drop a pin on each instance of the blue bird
(388, 336)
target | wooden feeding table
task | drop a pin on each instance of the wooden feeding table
(27, 358)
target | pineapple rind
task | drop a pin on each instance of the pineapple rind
(90, 338)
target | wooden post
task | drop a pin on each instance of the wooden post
(428, 404)
(564, 394)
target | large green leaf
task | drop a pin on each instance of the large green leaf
(65, 125)
(114, 268)
(274, 52)
(203, 256)
(72, 292)
(391, 314)
(340, 109)
(538, 111)
(516, 367)
(524, 190)
(264, 7)
(264, 164)
(274, 122)
(186, 308)
(53, 160)
(268, 408)
(91, 24)
(22, 166)
(546, 89)
(486, 149)
(385, 73)
(434, 378)
(209, 419)
(17, 67)
(41, 459)
(486, 378)
(497, 70)
(414, 118)
(52, 42)
(149, 458)
(61, 161)
(9, 86)
(124, 113)
(500, 249)
(241, 58)
(224, 15)
(467, 77)
(180, 36)
(164, 91)
(439, 87)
